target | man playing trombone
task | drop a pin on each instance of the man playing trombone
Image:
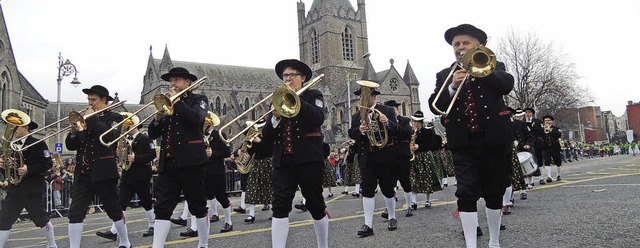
(30, 192)
(182, 157)
(479, 131)
(96, 172)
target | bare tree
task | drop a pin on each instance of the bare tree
(544, 78)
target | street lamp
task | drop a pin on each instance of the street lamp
(366, 55)
(65, 68)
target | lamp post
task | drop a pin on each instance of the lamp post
(366, 55)
(65, 68)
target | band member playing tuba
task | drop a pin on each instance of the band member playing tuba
(376, 162)
(137, 179)
(29, 192)
(478, 128)
(96, 171)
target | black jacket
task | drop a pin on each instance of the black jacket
(144, 150)
(261, 149)
(186, 131)
(405, 131)
(100, 160)
(552, 139)
(523, 135)
(488, 93)
(219, 151)
(38, 162)
(307, 136)
(427, 140)
(372, 156)
(537, 129)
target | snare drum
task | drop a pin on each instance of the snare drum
(527, 163)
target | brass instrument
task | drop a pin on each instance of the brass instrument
(125, 147)
(244, 162)
(444, 137)
(74, 117)
(163, 104)
(478, 62)
(412, 143)
(12, 160)
(284, 100)
(547, 129)
(212, 120)
(378, 136)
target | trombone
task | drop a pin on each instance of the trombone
(163, 104)
(74, 117)
(478, 62)
(284, 99)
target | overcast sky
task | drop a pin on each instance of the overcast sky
(109, 41)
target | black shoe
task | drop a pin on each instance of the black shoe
(345, 192)
(414, 206)
(523, 196)
(356, 195)
(478, 232)
(409, 212)
(503, 227)
(122, 246)
(542, 182)
(365, 231)
(301, 207)
(385, 214)
(179, 221)
(226, 228)
(189, 233)
(239, 209)
(266, 207)
(214, 218)
(108, 235)
(549, 179)
(445, 185)
(148, 233)
(558, 178)
(427, 204)
(250, 219)
(330, 195)
(393, 224)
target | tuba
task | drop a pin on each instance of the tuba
(244, 162)
(12, 159)
(124, 146)
(378, 136)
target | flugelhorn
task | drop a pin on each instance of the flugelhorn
(284, 99)
(12, 160)
(163, 104)
(479, 62)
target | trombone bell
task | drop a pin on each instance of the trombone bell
(163, 104)
(286, 102)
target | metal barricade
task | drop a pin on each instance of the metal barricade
(232, 181)
(59, 196)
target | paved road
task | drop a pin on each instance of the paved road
(595, 205)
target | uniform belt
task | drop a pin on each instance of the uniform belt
(316, 134)
(105, 157)
(195, 141)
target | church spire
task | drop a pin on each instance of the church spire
(166, 64)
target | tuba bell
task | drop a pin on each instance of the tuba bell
(124, 145)
(12, 159)
(378, 136)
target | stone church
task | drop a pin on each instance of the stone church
(333, 41)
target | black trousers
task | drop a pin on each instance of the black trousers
(481, 171)
(215, 186)
(172, 181)
(32, 199)
(83, 192)
(402, 171)
(383, 175)
(286, 179)
(552, 155)
(129, 188)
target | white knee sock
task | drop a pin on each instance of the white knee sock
(304, 201)
(194, 225)
(185, 211)
(279, 232)
(506, 198)
(151, 216)
(346, 189)
(322, 231)
(391, 207)
(368, 205)
(4, 236)
(548, 171)
(75, 234)
(214, 208)
(242, 197)
(445, 180)
(331, 191)
(407, 198)
(469, 225)
(357, 188)
(48, 233)
(252, 210)
(123, 234)
(414, 197)
(227, 215)
(160, 232)
(493, 220)
(203, 231)
(113, 228)
(428, 197)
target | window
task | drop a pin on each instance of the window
(405, 110)
(340, 116)
(347, 44)
(246, 104)
(4, 91)
(217, 106)
(224, 109)
(314, 47)
(393, 84)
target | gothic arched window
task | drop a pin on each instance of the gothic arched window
(315, 47)
(347, 44)
(217, 106)
(246, 104)
(4, 90)
(224, 109)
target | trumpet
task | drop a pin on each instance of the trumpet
(285, 101)
(478, 62)
(12, 160)
(75, 118)
(163, 104)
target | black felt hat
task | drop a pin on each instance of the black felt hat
(519, 112)
(392, 103)
(178, 72)
(295, 64)
(418, 116)
(530, 109)
(98, 90)
(548, 116)
(467, 29)
(32, 125)
(374, 92)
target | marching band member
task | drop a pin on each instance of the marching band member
(297, 155)
(376, 163)
(30, 192)
(259, 189)
(425, 177)
(551, 138)
(136, 180)
(328, 176)
(478, 133)
(352, 170)
(524, 138)
(538, 144)
(182, 157)
(96, 171)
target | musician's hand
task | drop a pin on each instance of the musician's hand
(364, 128)
(257, 139)
(232, 157)
(526, 147)
(172, 92)
(458, 76)
(209, 151)
(5, 183)
(23, 170)
(384, 119)
(88, 111)
(131, 157)
(415, 147)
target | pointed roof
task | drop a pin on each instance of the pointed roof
(320, 5)
(409, 76)
(29, 91)
(369, 72)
